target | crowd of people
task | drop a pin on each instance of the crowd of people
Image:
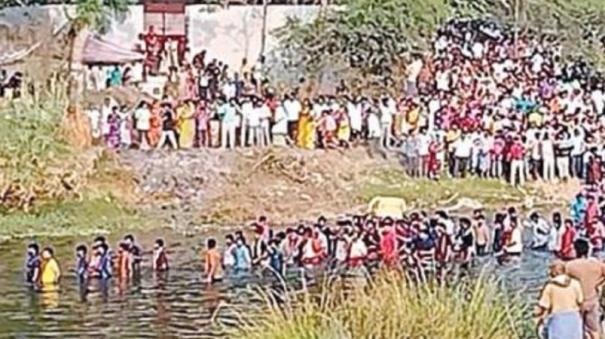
(425, 245)
(481, 103)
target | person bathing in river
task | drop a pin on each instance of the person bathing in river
(32, 264)
(540, 231)
(124, 262)
(513, 247)
(101, 267)
(212, 263)
(241, 253)
(135, 253)
(160, 260)
(228, 257)
(558, 309)
(566, 251)
(50, 272)
(81, 263)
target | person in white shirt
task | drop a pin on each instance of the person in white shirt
(577, 153)
(94, 117)
(142, 118)
(106, 110)
(264, 113)
(354, 110)
(547, 150)
(540, 230)
(279, 130)
(229, 89)
(462, 153)
(292, 108)
(387, 112)
(514, 246)
(374, 134)
(423, 140)
(246, 110)
(253, 120)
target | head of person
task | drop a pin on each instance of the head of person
(159, 244)
(534, 216)
(33, 249)
(322, 221)
(81, 251)
(101, 249)
(129, 240)
(556, 268)
(465, 223)
(581, 247)
(240, 242)
(211, 244)
(47, 253)
(229, 239)
(100, 240)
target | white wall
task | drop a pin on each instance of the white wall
(226, 34)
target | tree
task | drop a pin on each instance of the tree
(94, 14)
(369, 39)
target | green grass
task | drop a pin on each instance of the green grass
(424, 193)
(67, 196)
(90, 215)
(392, 308)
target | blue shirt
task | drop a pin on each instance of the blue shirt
(242, 257)
(227, 113)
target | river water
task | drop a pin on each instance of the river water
(177, 305)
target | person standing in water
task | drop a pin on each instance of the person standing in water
(102, 266)
(212, 263)
(81, 264)
(160, 260)
(50, 272)
(32, 264)
(135, 253)
(241, 253)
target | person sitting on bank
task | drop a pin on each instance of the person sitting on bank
(558, 309)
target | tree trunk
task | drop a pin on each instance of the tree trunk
(263, 37)
(72, 35)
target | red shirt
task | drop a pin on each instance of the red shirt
(517, 151)
(568, 237)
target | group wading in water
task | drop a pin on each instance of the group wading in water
(425, 245)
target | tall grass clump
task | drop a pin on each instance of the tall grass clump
(391, 307)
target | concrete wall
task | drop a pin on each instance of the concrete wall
(227, 34)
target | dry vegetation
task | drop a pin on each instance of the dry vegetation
(391, 307)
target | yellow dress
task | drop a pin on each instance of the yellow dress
(50, 273)
(186, 123)
(344, 130)
(306, 131)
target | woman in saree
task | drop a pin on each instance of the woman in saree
(155, 130)
(186, 124)
(113, 121)
(306, 127)
(343, 132)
